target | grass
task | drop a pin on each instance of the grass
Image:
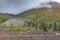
(18, 29)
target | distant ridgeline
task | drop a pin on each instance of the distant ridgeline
(5, 16)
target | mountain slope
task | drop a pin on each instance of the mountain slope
(6, 15)
(42, 14)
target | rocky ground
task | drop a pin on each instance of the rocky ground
(29, 35)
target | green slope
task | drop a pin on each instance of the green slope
(42, 18)
(42, 15)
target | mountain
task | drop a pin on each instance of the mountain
(42, 14)
(55, 6)
(34, 13)
(7, 15)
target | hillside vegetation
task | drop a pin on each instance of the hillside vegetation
(41, 18)
(2, 19)
(42, 14)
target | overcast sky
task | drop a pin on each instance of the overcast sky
(18, 6)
